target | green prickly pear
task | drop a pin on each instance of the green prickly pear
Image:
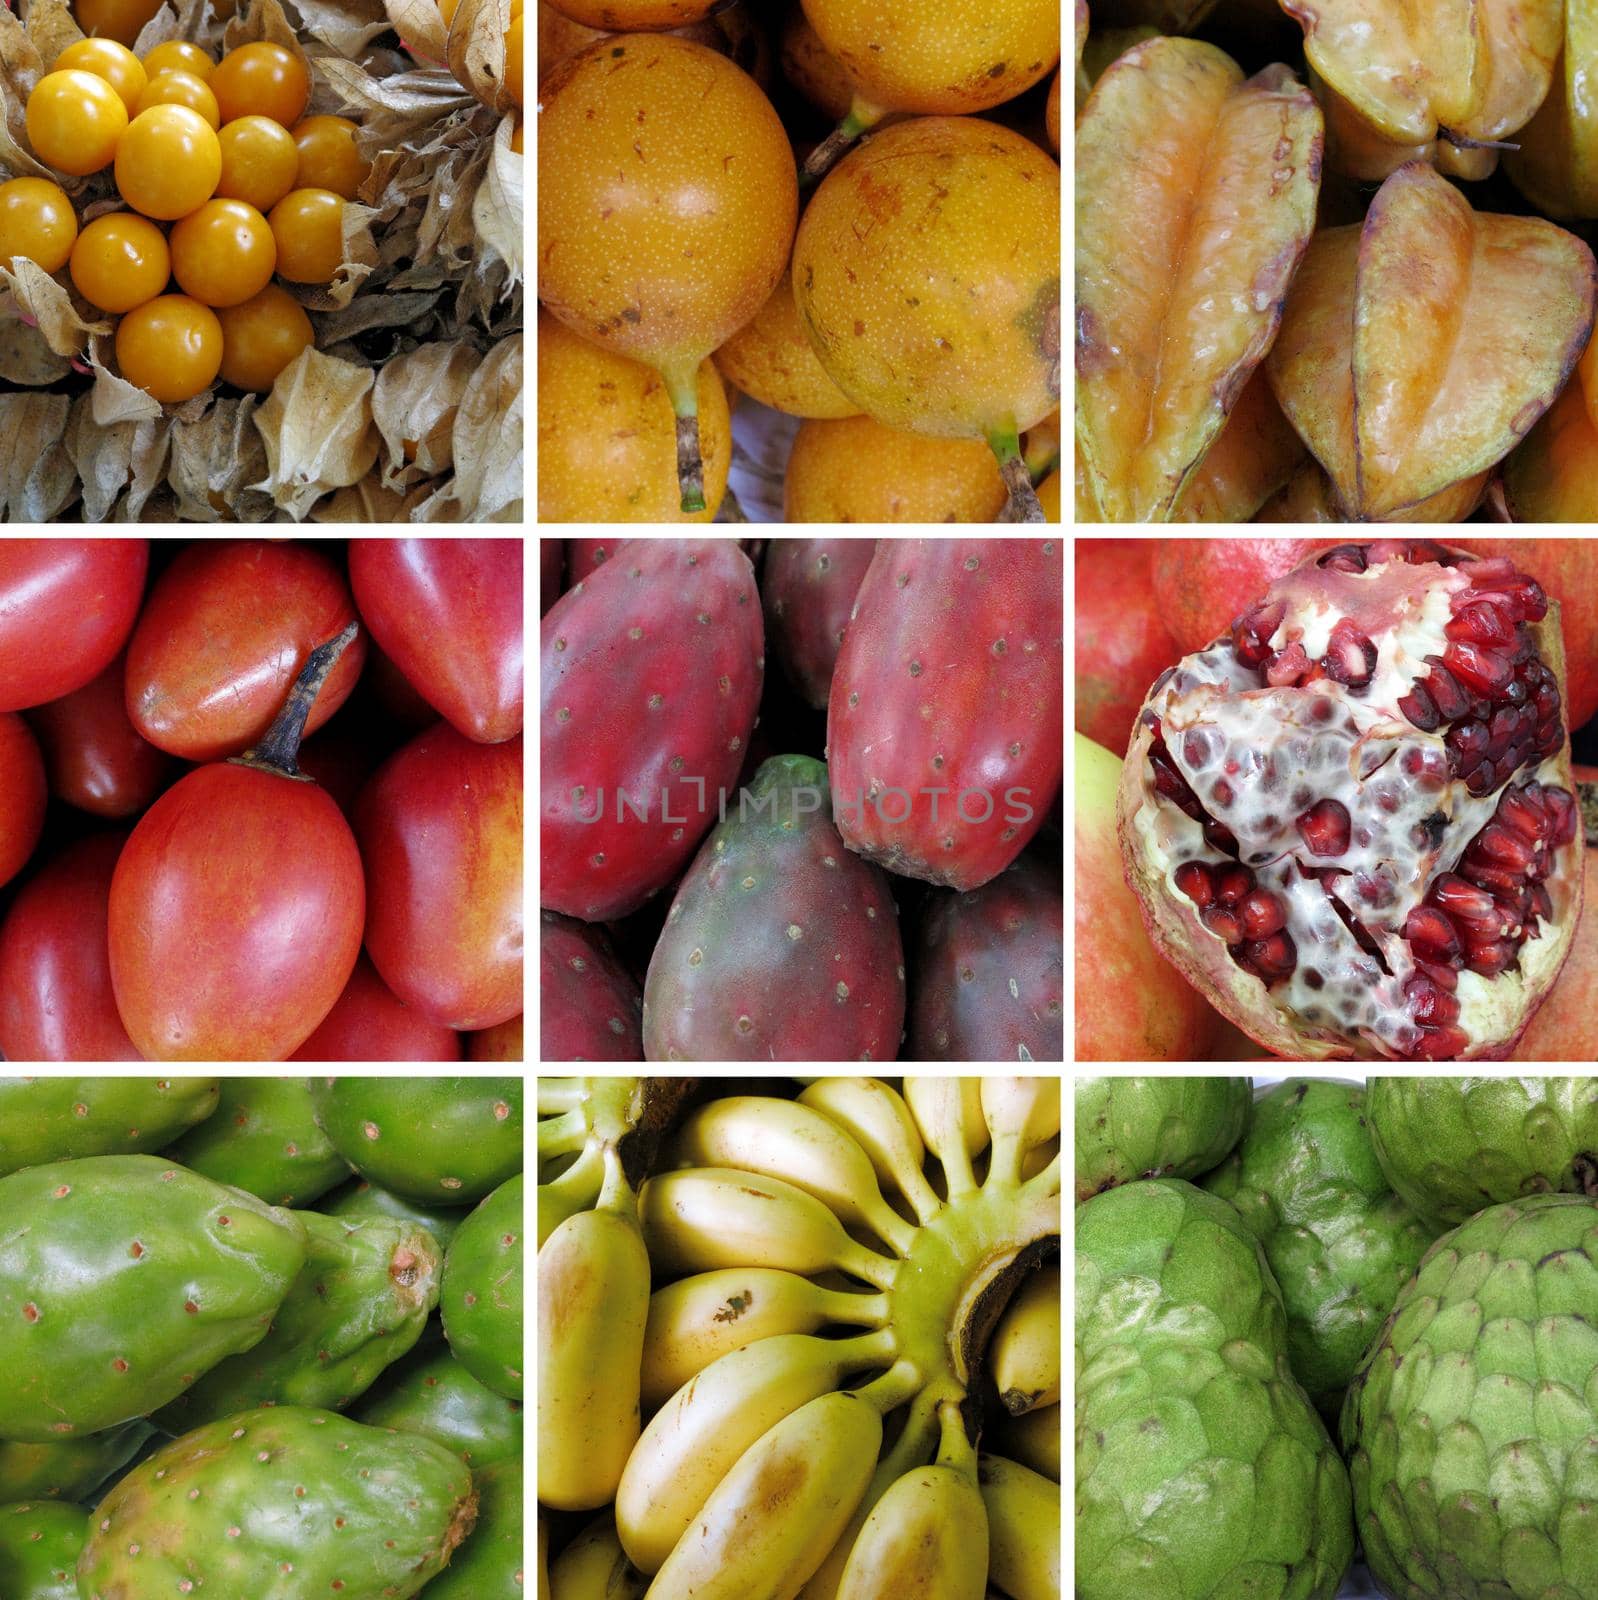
(39, 1546)
(70, 1470)
(363, 1199)
(489, 1565)
(781, 945)
(122, 1280)
(439, 1140)
(431, 1393)
(280, 1503)
(359, 1303)
(264, 1139)
(64, 1119)
(482, 1299)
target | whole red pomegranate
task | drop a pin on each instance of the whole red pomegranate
(1201, 584)
(1122, 644)
(1350, 821)
(1130, 1005)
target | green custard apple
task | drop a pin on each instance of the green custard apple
(1472, 1427)
(1202, 1470)
(1130, 1128)
(1451, 1146)
(1306, 1182)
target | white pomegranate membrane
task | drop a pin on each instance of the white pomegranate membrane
(1350, 820)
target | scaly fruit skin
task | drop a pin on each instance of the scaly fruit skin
(1025, 1352)
(808, 588)
(1188, 1418)
(1307, 1184)
(363, 1199)
(431, 1393)
(359, 1303)
(951, 679)
(1128, 1128)
(822, 1456)
(650, 672)
(443, 1141)
(593, 1305)
(39, 1546)
(489, 1565)
(990, 981)
(70, 1470)
(122, 1280)
(277, 1504)
(590, 1006)
(780, 944)
(65, 1119)
(1469, 1425)
(1452, 1146)
(482, 1299)
(264, 1139)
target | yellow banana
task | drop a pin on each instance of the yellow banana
(594, 1567)
(915, 1447)
(1020, 1113)
(698, 1320)
(881, 1124)
(1023, 1529)
(1039, 1156)
(927, 1537)
(694, 1439)
(707, 1217)
(593, 1304)
(543, 1559)
(1025, 1353)
(782, 1139)
(1033, 1440)
(948, 1112)
(778, 1510)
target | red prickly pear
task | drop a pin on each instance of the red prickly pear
(780, 945)
(589, 1004)
(122, 1280)
(990, 981)
(650, 673)
(809, 586)
(283, 1500)
(584, 557)
(944, 725)
(551, 559)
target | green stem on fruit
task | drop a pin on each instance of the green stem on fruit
(682, 384)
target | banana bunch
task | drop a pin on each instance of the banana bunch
(814, 1263)
(577, 1119)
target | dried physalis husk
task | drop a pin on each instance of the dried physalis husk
(1419, 348)
(1195, 200)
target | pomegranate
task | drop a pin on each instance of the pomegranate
(1122, 645)
(1350, 819)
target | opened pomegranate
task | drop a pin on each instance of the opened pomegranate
(1350, 820)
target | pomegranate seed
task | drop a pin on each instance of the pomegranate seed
(1285, 668)
(1233, 884)
(1461, 899)
(1196, 749)
(1431, 934)
(1430, 1004)
(1325, 828)
(1495, 880)
(1483, 623)
(1223, 922)
(1261, 913)
(1489, 571)
(1542, 903)
(1193, 879)
(1252, 631)
(1452, 701)
(1483, 670)
(1501, 732)
(1467, 744)
(1344, 558)
(1274, 957)
(1350, 657)
(1420, 708)
(1491, 959)
(1441, 1044)
(1505, 845)
(1561, 815)
(1444, 977)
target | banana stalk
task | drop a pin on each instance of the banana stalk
(1020, 1113)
